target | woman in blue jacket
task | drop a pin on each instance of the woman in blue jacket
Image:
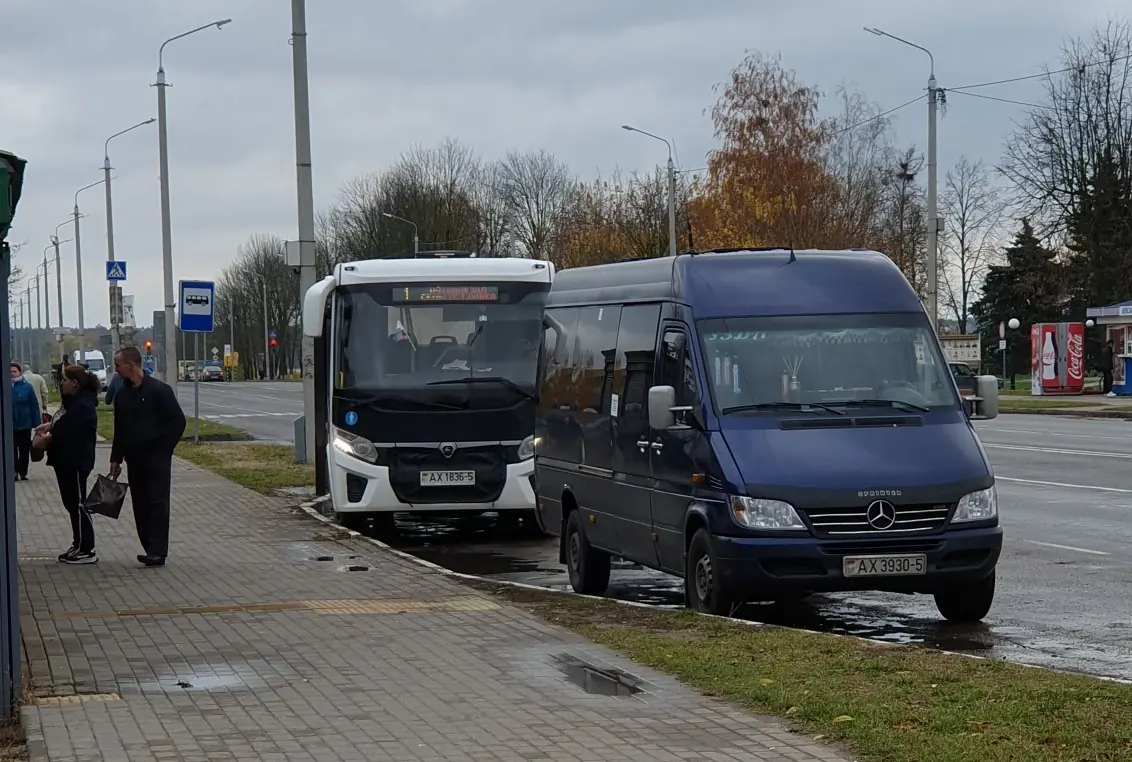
(25, 418)
(70, 451)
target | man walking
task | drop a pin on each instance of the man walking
(148, 424)
(1107, 368)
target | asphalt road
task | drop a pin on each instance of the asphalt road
(1065, 578)
(265, 409)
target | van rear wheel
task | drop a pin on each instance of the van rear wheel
(587, 567)
(966, 603)
(703, 589)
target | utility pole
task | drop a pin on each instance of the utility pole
(266, 340)
(933, 214)
(79, 265)
(305, 196)
(671, 207)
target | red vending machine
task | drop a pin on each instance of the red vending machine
(1057, 358)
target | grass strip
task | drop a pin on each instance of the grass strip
(207, 428)
(260, 467)
(883, 703)
(1038, 404)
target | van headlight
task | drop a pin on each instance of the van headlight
(527, 448)
(977, 506)
(352, 444)
(757, 513)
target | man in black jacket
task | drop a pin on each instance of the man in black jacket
(148, 424)
(1107, 365)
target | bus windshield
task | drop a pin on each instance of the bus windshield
(436, 340)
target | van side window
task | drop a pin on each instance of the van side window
(677, 369)
(560, 341)
(636, 358)
(597, 346)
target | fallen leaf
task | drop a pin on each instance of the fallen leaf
(793, 711)
(766, 681)
(843, 718)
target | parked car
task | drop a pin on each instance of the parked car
(212, 373)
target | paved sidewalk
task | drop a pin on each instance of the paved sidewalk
(266, 639)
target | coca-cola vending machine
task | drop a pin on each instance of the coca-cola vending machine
(1057, 358)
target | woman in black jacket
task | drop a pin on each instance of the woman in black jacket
(70, 452)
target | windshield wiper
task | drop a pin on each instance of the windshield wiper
(805, 407)
(506, 382)
(900, 404)
(374, 399)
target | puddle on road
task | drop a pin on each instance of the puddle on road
(591, 679)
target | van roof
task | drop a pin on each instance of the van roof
(732, 282)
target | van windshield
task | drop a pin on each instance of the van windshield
(825, 360)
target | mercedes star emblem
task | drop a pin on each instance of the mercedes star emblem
(881, 514)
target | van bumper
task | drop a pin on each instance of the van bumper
(786, 566)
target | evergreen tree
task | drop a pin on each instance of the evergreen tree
(1028, 286)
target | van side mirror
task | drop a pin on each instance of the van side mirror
(661, 401)
(985, 405)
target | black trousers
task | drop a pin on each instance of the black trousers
(22, 441)
(151, 478)
(72, 490)
(1106, 383)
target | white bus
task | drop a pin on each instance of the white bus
(431, 391)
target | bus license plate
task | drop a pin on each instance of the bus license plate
(448, 478)
(884, 566)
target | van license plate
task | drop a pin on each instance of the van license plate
(448, 478)
(884, 566)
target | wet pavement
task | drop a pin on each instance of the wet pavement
(1065, 494)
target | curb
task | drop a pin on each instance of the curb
(311, 509)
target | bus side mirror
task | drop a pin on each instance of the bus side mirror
(985, 405)
(314, 306)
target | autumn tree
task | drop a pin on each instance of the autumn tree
(973, 209)
(535, 189)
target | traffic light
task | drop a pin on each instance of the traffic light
(148, 346)
(273, 341)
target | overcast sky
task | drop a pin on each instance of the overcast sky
(497, 74)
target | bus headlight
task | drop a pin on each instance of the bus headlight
(352, 444)
(527, 448)
(977, 506)
(757, 513)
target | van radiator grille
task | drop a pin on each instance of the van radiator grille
(924, 517)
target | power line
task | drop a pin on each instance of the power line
(1078, 67)
(881, 115)
(1000, 100)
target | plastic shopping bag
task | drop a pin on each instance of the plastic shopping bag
(106, 497)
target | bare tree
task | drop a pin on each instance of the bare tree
(536, 188)
(974, 210)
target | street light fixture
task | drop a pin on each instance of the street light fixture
(115, 339)
(416, 236)
(933, 215)
(79, 259)
(166, 232)
(671, 187)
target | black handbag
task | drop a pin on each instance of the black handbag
(106, 497)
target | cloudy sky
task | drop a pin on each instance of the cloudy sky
(497, 74)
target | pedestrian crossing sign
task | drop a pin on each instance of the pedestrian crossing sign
(115, 270)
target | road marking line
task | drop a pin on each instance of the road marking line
(1041, 483)
(1066, 547)
(1059, 451)
(994, 430)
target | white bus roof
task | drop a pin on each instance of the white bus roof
(443, 269)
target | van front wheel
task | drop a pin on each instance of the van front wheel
(587, 567)
(967, 603)
(703, 588)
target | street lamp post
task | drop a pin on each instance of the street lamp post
(416, 235)
(115, 339)
(58, 288)
(933, 215)
(79, 262)
(166, 232)
(671, 187)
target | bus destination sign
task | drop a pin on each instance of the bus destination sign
(446, 294)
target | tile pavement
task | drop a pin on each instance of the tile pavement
(258, 642)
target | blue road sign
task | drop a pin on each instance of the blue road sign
(148, 364)
(115, 270)
(272, 335)
(197, 302)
